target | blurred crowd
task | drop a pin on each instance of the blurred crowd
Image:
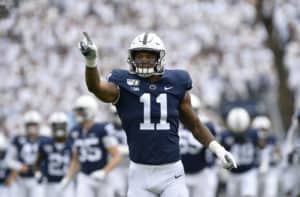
(220, 42)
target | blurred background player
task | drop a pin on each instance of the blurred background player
(242, 141)
(22, 154)
(92, 147)
(269, 157)
(6, 175)
(54, 158)
(198, 161)
(291, 172)
(119, 176)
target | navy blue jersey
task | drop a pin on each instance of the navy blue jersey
(195, 157)
(27, 151)
(150, 114)
(4, 171)
(243, 147)
(56, 159)
(117, 133)
(271, 144)
(90, 147)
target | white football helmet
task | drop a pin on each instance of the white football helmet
(58, 117)
(32, 121)
(32, 117)
(147, 42)
(261, 123)
(238, 120)
(58, 121)
(85, 108)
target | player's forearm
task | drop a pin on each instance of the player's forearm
(115, 160)
(290, 134)
(92, 79)
(202, 134)
(199, 131)
(105, 91)
(11, 178)
(73, 169)
(37, 164)
(11, 160)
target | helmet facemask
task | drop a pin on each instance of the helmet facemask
(143, 68)
(59, 130)
(85, 109)
(32, 121)
(82, 115)
(32, 129)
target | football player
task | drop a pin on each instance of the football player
(242, 141)
(6, 175)
(291, 175)
(119, 175)
(198, 161)
(22, 154)
(92, 147)
(54, 157)
(150, 100)
(270, 156)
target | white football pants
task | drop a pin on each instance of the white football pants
(166, 180)
(204, 182)
(244, 184)
(89, 187)
(5, 191)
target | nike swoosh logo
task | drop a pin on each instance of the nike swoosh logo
(168, 88)
(177, 176)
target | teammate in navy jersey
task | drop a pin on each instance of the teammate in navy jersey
(150, 100)
(22, 154)
(269, 158)
(92, 147)
(54, 157)
(119, 176)
(198, 161)
(243, 142)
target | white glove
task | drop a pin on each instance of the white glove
(99, 175)
(89, 50)
(226, 157)
(63, 184)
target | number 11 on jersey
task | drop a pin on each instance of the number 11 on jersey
(163, 124)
